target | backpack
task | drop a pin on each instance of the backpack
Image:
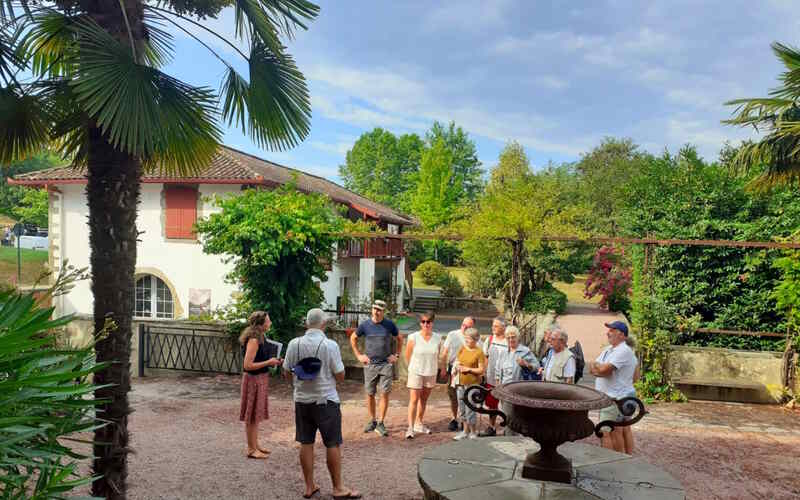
(580, 363)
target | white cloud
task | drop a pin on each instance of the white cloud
(401, 101)
(339, 148)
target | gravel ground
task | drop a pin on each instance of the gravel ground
(189, 443)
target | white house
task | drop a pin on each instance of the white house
(174, 278)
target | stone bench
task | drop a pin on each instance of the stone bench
(713, 389)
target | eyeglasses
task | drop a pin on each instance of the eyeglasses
(425, 321)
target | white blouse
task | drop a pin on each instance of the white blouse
(425, 356)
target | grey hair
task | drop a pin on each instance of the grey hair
(512, 330)
(470, 318)
(472, 333)
(501, 320)
(315, 318)
(561, 334)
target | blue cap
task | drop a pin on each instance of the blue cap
(618, 325)
(307, 368)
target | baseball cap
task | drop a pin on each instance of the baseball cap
(307, 368)
(618, 325)
(379, 304)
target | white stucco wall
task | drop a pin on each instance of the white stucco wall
(182, 262)
(366, 278)
(344, 268)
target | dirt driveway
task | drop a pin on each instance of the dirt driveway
(189, 444)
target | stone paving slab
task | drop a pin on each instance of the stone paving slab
(462, 471)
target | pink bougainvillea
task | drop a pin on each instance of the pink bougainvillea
(610, 277)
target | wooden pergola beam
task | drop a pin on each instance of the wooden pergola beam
(595, 239)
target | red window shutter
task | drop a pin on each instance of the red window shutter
(181, 212)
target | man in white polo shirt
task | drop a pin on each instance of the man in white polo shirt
(314, 363)
(614, 369)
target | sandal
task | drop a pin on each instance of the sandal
(257, 454)
(264, 450)
(316, 490)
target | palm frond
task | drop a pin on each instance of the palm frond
(273, 108)
(10, 62)
(24, 124)
(158, 47)
(143, 111)
(49, 44)
(266, 20)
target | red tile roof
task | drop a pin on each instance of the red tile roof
(230, 166)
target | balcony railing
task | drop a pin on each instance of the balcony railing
(377, 248)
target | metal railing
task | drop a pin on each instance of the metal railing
(347, 318)
(187, 349)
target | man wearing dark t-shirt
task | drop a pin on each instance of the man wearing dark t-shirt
(381, 351)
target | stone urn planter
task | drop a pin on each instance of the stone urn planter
(551, 414)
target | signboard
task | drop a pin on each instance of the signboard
(199, 301)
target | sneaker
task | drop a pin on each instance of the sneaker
(489, 432)
(370, 426)
(461, 435)
(410, 433)
(380, 429)
(453, 425)
(473, 435)
(421, 429)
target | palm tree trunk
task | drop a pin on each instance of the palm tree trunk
(112, 192)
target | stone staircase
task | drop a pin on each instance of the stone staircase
(422, 304)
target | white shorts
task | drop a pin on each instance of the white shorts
(419, 381)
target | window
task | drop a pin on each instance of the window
(152, 298)
(181, 203)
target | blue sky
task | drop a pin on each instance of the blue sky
(555, 77)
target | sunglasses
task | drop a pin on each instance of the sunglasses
(425, 321)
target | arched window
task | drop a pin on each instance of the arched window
(152, 298)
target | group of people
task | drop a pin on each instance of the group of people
(459, 359)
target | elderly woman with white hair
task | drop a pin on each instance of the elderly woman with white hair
(519, 364)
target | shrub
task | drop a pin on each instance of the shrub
(431, 272)
(450, 285)
(44, 402)
(610, 277)
(544, 300)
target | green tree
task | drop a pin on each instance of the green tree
(518, 208)
(438, 187)
(11, 196)
(604, 173)
(512, 164)
(466, 166)
(381, 166)
(683, 197)
(277, 241)
(32, 208)
(99, 94)
(776, 156)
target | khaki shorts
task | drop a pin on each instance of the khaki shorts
(378, 378)
(611, 413)
(419, 381)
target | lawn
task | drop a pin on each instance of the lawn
(459, 272)
(574, 290)
(34, 263)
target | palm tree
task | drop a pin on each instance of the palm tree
(94, 88)
(776, 157)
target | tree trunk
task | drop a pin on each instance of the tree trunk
(517, 261)
(112, 192)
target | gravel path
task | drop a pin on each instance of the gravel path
(189, 444)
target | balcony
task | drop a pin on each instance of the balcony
(374, 248)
